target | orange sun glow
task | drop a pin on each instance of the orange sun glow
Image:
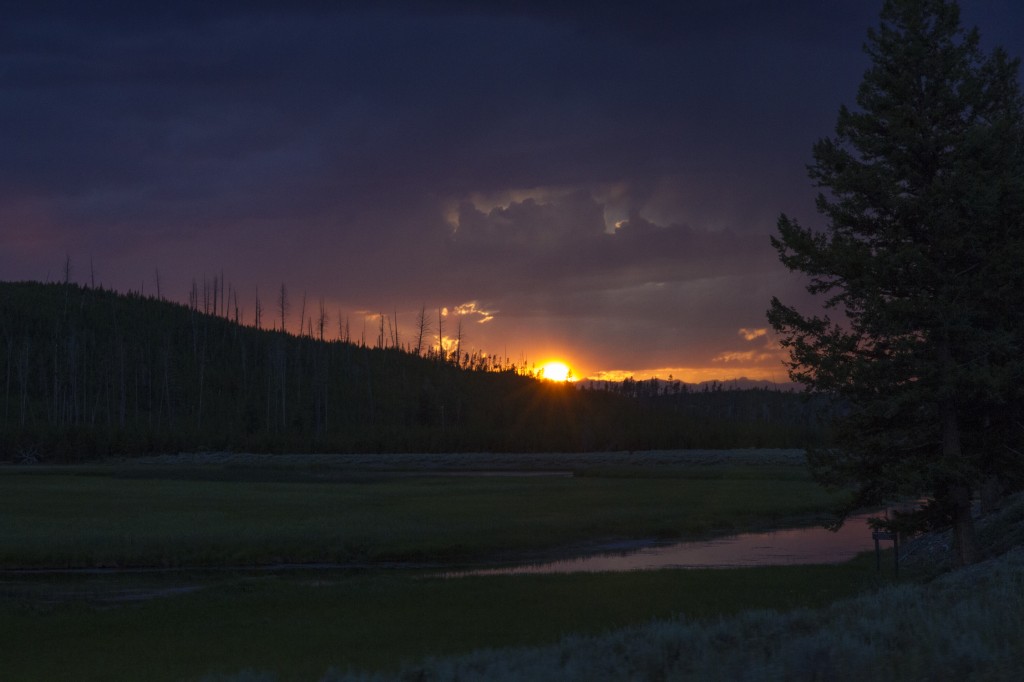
(556, 371)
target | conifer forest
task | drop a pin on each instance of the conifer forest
(87, 372)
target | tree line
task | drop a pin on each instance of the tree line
(88, 372)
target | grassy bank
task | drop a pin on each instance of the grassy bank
(966, 625)
(297, 627)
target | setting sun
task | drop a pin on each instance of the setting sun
(556, 371)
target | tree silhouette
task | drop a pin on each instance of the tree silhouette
(923, 196)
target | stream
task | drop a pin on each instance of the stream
(810, 545)
(807, 545)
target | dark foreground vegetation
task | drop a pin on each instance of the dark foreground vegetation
(204, 517)
(211, 622)
(966, 624)
(86, 372)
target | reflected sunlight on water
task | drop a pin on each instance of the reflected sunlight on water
(813, 545)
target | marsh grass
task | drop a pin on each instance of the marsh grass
(967, 625)
(203, 515)
(229, 510)
(834, 622)
(650, 460)
(297, 626)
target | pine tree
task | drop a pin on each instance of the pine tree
(921, 255)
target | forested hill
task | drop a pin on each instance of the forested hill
(87, 372)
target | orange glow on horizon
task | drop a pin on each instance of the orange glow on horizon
(695, 375)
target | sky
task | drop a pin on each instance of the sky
(592, 182)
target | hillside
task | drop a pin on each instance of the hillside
(87, 372)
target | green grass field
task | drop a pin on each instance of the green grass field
(136, 515)
(299, 624)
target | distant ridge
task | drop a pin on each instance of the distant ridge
(664, 385)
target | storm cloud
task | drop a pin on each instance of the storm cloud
(592, 181)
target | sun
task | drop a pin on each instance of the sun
(556, 371)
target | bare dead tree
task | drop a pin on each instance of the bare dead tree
(283, 305)
(302, 315)
(440, 336)
(259, 309)
(159, 296)
(322, 320)
(422, 329)
(458, 343)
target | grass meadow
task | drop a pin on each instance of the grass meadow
(354, 512)
(299, 627)
(966, 625)
(191, 610)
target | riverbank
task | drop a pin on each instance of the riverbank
(963, 624)
(297, 626)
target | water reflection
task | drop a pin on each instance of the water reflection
(814, 545)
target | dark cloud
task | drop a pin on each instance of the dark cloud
(568, 241)
(613, 169)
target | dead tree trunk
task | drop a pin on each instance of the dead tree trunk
(422, 329)
(440, 336)
(283, 305)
